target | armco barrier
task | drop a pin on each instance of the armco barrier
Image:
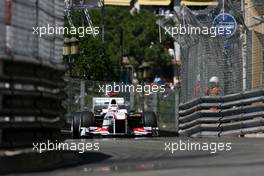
(31, 102)
(230, 115)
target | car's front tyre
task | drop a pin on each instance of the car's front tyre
(87, 119)
(76, 125)
(150, 119)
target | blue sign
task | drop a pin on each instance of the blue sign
(228, 44)
(225, 24)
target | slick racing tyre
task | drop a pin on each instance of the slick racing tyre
(76, 125)
(150, 119)
(87, 119)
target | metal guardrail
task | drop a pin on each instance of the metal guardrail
(31, 95)
(234, 114)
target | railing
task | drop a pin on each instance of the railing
(231, 115)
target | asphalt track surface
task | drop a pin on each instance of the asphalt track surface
(148, 157)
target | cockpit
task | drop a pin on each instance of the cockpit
(113, 106)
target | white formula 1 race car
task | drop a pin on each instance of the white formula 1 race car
(110, 117)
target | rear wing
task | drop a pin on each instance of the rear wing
(107, 100)
(104, 101)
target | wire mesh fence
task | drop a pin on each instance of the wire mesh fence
(18, 22)
(236, 60)
(31, 71)
(2, 29)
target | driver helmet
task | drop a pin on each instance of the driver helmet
(214, 80)
(113, 106)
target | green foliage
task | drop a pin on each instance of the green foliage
(135, 36)
(93, 62)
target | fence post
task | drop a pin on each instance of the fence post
(155, 102)
(143, 98)
(177, 59)
(82, 95)
(1, 96)
(132, 97)
(0, 137)
(177, 103)
(1, 100)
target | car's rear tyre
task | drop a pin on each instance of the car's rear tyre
(76, 125)
(87, 119)
(150, 119)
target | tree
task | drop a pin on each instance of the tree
(93, 62)
(135, 36)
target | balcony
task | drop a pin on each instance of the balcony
(199, 2)
(117, 2)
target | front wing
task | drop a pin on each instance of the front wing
(141, 131)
